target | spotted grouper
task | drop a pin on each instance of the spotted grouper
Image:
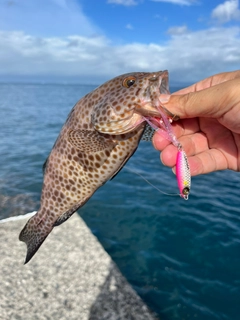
(101, 133)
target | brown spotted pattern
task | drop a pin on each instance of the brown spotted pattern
(101, 133)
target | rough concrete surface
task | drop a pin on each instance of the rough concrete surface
(71, 277)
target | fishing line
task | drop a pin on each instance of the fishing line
(182, 165)
(168, 194)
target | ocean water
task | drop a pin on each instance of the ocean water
(182, 257)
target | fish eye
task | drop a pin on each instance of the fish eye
(129, 81)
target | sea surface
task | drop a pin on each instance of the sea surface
(182, 257)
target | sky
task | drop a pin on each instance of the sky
(91, 41)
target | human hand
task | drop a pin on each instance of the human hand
(209, 129)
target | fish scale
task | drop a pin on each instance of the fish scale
(101, 133)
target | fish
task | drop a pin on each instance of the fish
(100, 135)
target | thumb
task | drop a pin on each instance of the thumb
(210, 102)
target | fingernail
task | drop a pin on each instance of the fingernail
(164, 98)
(161, 159)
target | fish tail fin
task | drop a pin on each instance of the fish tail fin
(33, 234)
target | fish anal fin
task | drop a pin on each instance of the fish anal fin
(66, 215)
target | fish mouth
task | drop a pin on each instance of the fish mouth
(149, 106)
(148, 111)
(164, 86)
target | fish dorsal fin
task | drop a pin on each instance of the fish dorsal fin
(148, 133)
(45, 165)
(89, 141)
(93, 148)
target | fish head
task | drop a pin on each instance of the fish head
(129, 98)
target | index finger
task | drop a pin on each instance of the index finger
(209, 82)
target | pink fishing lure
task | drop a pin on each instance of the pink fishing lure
(182, 167)
(183, 174)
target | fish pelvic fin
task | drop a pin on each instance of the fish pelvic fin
(33, 234)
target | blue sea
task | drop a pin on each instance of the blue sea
(182, 257)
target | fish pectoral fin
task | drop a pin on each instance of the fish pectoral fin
(94, 148)
(90, 141)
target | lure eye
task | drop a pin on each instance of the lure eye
(129, 81)
(186, 191)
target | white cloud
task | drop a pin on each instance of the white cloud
(189, 56)
(226, 11)
(179, 2)
(205, 52)
(123, 2)
(177, 30)
(46, 17)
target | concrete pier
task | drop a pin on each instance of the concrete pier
(71, 277)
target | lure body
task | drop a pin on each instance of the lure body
(183, 174)
(163, 126)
